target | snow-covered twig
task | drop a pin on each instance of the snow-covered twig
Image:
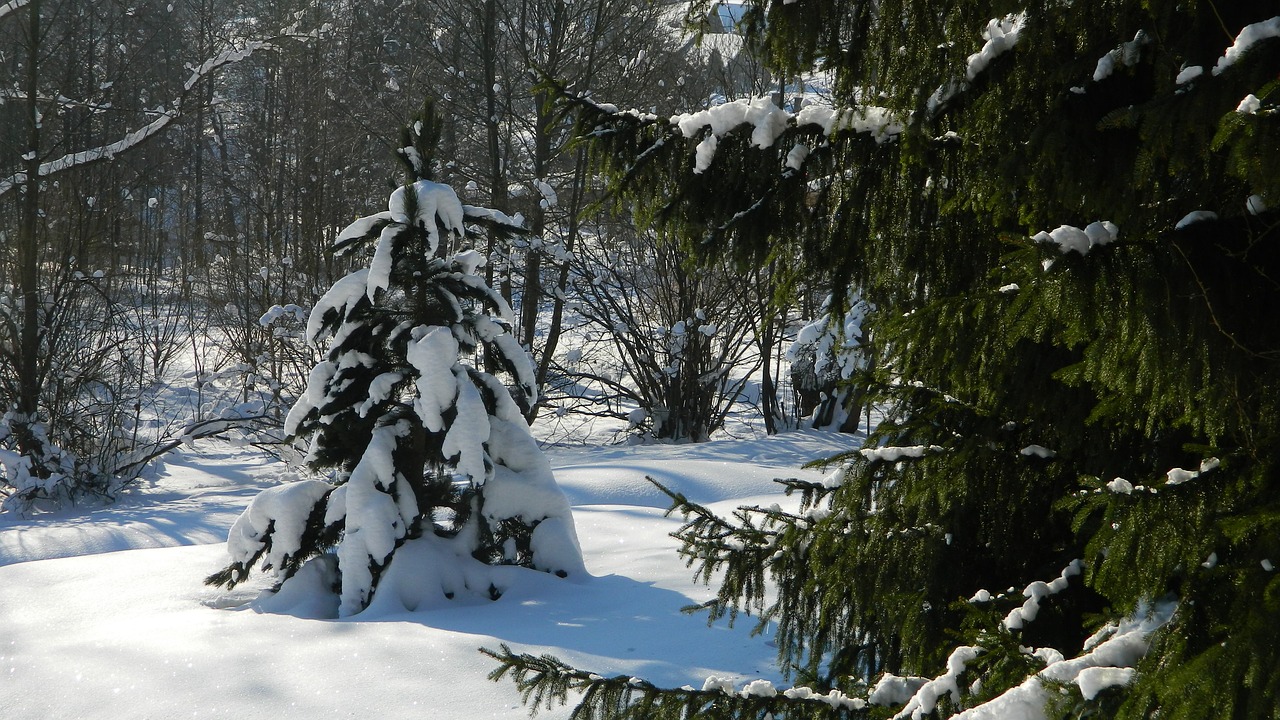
(1037, 591)
(60, 101)
(131, 140)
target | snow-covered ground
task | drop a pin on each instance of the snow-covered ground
(103, 613)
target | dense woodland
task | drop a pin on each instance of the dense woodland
(196, 161)
(1048, 230)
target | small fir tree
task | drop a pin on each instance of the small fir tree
(421, 446)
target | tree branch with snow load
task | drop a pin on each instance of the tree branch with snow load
(164, 115)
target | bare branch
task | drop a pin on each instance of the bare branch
(109, 151)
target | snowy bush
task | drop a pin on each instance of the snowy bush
(91, 422)
(35, 473)
(657, 334)
(826, 359)
(422, 447)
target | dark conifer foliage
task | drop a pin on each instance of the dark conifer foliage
(1064, 214)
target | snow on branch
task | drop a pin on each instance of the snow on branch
(1108, 661)
(61, 101)
(1177, 476)
(1000, 35)
(927, 695)
(1035, 593)
(1069, 237)
(768, 121)
(766, 689)
(894, 454)
(164, 115)
(226, 57)
(102, 152)
(1249, 36)
(1126, 54)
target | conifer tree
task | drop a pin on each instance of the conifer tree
(419, 444)
(1064, 214)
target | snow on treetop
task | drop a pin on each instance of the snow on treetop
(431, 203)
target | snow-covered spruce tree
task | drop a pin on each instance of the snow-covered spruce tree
(432, 470)
(1065, 215)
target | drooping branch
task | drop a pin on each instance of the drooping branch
(109, 151)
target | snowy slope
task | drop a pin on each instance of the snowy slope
(134, 634)
(192, 498)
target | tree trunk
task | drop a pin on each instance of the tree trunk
(28, 400)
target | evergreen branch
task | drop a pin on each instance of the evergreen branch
(546, 682)
(811, 493)
(742, 550)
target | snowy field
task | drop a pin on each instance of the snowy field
(103, 613)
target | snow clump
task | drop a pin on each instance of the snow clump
(1248, 37)
(1035, 593)
(1001, 35)
(894, 454)
(1068, 237)
(1127, 54)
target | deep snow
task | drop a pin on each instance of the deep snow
(103, 613)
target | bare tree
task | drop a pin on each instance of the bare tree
(659, 335)
(94, 84)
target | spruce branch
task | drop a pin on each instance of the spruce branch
(546, 682)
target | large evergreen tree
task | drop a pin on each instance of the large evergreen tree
(419, 443)
(1063, 213)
